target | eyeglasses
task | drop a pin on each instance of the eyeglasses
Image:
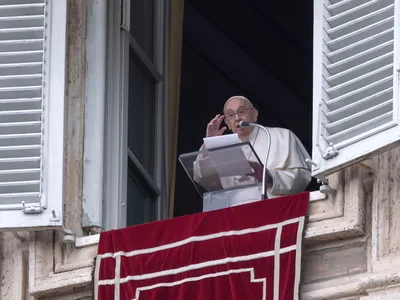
(241, 113)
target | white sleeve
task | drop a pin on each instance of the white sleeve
(290, 174)
(290, 181)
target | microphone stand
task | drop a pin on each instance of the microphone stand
(264, 186)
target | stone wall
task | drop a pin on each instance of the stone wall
(356, 254)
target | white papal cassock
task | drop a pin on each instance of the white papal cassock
(286, 164)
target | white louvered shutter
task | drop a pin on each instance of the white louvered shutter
(356, 104)
(32, 72)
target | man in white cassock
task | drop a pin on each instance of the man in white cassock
(287, 170)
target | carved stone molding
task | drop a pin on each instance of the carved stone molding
(341, 215)
(13, 262)
(53, 273)
(385, 241)
(64, 283)
(366, 285)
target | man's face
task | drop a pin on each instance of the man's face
(239, 110)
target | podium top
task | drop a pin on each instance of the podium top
(222, 168)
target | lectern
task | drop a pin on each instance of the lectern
(221, 175)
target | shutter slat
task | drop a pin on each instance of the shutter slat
(20, 112)
(357, 24)
(17, 187)
(24, 169)
(342, 14)
(13, 184)
(33, 195)
(19, 151)
(16, 2)
(20, 163)
(359, 35)
(361, 131)
(12, 46)
(20, 171)
(21, 56)
(19, 90)
(23, 117)
(19, 159)
(21, 33)
(360, 117)
(358, 68)
(18, 68)
(21, 80)
(338, 112)
(344, 5)
(9, 200)
(22, 9)
(12, 6)
(19, 136)
(365, 91)
(21, 100)
(342, 63)
(360, 81)
(360, 46)
(20, 139)
(20, 127)
(22, 21)
(21, 179)
(19, 175)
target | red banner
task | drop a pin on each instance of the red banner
(252, 251)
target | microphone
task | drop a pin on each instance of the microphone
(249, 124)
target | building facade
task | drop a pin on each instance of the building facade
(76, 157)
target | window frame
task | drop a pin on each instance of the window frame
(116, 133)
(115, 153)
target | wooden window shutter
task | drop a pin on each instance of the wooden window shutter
(32, 74)
(355, 93)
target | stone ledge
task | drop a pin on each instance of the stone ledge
(359, 285)
(86, 241)
(63, 283)
(343, 214)
(79, 258)
(73, 273)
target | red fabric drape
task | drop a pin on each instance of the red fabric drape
(251, 251)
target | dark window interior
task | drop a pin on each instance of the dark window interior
(255, 48)
(141, 198)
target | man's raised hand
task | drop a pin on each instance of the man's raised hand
(213, 126)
